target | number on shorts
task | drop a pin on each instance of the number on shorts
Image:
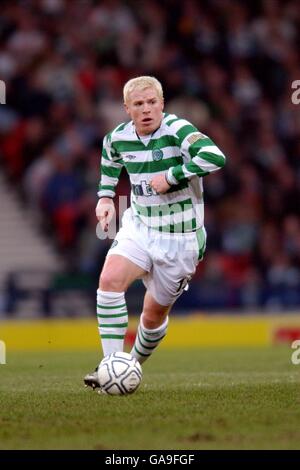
(182, 284)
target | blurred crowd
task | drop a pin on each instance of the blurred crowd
(225, 65)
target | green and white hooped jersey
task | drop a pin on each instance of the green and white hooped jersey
(176, 148)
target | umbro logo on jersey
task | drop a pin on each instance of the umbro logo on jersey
(129, 157)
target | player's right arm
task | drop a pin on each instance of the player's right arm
(105, 210)
(111, 167)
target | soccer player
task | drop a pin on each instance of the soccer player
(162, 237)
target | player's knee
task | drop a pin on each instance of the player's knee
(153, 320)
(111, 282)
(151, 324)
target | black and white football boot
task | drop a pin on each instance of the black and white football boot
(91, 380)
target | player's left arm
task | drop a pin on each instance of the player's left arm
(202, 155)
(160, 184)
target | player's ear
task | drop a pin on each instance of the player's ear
(126, 108)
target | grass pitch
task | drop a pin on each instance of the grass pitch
(189, 399)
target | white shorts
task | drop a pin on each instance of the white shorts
(169, 259)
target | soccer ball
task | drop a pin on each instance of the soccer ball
(119, 374)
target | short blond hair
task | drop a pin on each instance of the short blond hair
(142, 83)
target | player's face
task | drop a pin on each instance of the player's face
(145, 108)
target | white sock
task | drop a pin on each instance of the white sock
(112, 320)
(147, 340)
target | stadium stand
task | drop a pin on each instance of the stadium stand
(227, 66)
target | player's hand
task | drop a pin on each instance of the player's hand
(159, 184)
(105, 211)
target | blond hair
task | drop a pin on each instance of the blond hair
(142, 83)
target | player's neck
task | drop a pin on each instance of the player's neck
(145, 136)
